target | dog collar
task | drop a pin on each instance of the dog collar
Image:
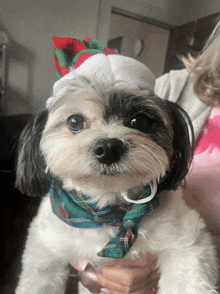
(77, 210)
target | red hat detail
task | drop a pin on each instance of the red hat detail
(72, 52)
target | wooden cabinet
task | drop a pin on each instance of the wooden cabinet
(188, 38)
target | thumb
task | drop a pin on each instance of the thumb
(80, 266)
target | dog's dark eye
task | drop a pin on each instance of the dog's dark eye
(139, 122)
(76, 123)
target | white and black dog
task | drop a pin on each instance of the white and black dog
(107, 139)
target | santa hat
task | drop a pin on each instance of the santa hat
(88, 56)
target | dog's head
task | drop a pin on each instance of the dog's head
(104, 138)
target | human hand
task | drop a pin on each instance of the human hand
(137, 276)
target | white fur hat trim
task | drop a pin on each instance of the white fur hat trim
(109, 68)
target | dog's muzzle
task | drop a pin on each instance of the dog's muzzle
(108, 151)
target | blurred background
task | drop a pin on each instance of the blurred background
(159, 25)
(156, 32)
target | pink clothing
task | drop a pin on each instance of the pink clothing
(202, 190)
(207, 151)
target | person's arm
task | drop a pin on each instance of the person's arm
(202, 192)
(137, 276)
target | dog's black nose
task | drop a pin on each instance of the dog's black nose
(108, 151)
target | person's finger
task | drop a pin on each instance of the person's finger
(90, 284)
(127, 275)
(150, 288)
(80, 266)
(130, 275)
(141, 261)
(127, 284)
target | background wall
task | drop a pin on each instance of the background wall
(155, 41)
(30, 25)
(173, 12)
(202, 8)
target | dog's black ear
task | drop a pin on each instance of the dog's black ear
(183, 147)
(31, 178)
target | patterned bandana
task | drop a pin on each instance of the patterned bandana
(74, 51)
(77, 210)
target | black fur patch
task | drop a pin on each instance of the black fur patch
(183, 146)
(31, 178)
(179, 145)
(124, 107)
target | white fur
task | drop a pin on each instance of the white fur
(174, 232)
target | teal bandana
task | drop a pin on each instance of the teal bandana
(77, 210)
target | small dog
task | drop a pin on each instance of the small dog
(108, 141)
